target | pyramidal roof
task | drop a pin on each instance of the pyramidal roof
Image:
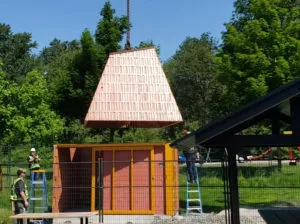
(133, 92)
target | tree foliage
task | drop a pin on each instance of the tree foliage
(66, 76)
(150, 43)
(44, 98)
(90, 65)
(25, 114)
(110, 29)
(74, 71)
(192, 75)
(15, 53)
(56, 48)
(261, 48)
(6, 109)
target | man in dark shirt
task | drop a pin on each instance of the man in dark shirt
(191, 158)
(19, 193)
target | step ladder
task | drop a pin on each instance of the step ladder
(193, 197)
(38, 197)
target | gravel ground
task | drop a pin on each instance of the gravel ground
(203, 219)
(248, 216)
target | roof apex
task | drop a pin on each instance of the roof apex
(132, 50)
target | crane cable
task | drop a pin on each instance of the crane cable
(127, 45)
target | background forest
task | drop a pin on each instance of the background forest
(44, 97)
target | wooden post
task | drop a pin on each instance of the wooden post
(295, 111)
(276, 131)
(100, 190)
(233, 186)
(13, 207)
(225, 169)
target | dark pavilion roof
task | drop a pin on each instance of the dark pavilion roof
(275, 104)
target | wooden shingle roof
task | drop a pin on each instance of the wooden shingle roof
(133, 92)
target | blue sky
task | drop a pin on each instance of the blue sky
(166, 22)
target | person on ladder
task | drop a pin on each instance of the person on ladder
(33, 161)
(191, 156)
(19, 193)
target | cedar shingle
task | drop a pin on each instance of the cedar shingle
(133, 92)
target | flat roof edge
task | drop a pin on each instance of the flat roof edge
(110, 145)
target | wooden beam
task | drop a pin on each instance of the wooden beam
(274, 115)
(275, 122)
(248, 123)
(254, 141)
(295, 114)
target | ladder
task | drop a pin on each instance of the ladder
(38, 192)
(193, 197)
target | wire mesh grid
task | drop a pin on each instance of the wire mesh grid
(149, 191)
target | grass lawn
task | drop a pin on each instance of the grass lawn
(259, 186)
(5, 206)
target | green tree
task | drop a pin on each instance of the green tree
(15, 52)
(62, 75)
(110, 29)
(109, 34)
(90, 66)
(32, 120)
(6, 108)
(72, 77)
(144, 44)
(261, 48)
(56, 48)
(73, 74)
(192, 75)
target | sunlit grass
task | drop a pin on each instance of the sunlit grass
(259, 186)
(5, 206)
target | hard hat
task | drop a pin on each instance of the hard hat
(32, 150)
